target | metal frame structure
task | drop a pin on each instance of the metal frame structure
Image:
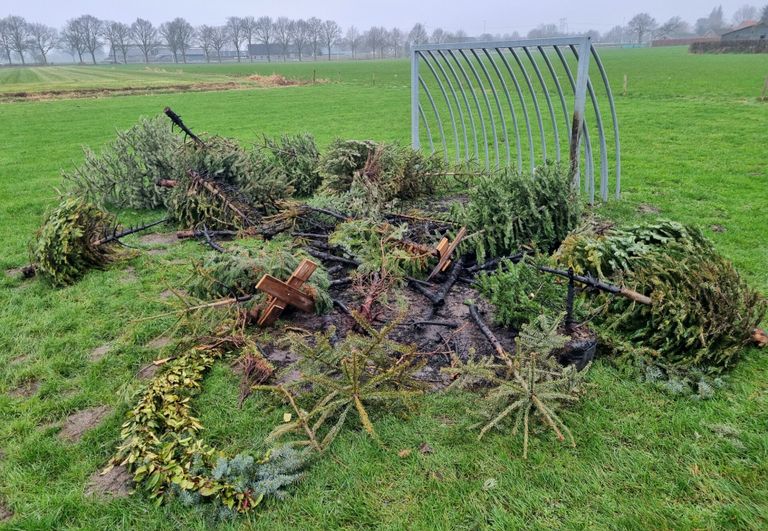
(479, 95)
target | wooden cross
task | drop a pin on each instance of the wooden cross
(445, 250)
(281, 294)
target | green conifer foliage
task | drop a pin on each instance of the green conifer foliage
(292, 159)
(237, 272)
(702, 312)
(66, 245)
(531, 387)
(125, 171)
(370, 176)
(510, 209)
(520, 293)
(348, 378)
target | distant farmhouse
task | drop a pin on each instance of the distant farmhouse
(748, 37)
(747, 31)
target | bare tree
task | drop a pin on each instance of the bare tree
(330, 33)
(90, 29)
(5, 40)
(282, 31)
(235, 28)
(396, 40)
(642, 24)
(315, 35)
(299, 31)
(714, 23)
(438, 35)
(764, 14)
(44, 39)
(205, 36)
(144, 34)
(249, 32)
(18, 33)
(543, 31)
(376, 38)
(353, 39)
(219, 38)
(418, 34)
(744, 14)
(73, 38)
(118, 35)
(178, 35)
(674, 27)
(263, 33)
(168, 33)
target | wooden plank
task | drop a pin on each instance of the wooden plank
(275, 306)
(446, 253)
(286, 293)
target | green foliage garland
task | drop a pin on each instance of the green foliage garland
(162, 448)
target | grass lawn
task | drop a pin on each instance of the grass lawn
(693, 139)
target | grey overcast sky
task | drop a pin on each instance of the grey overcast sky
(494, 16)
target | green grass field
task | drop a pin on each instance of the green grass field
(693, 138)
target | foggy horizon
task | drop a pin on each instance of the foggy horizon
(493, 17)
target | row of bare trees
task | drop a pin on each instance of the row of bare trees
(84, 37)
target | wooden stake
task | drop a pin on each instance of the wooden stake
(445, 250)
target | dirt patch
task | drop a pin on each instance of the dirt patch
(14, 272)
(5, 513)
(129, 276)
(159, 342)
(644, 208)
(277, 80)
(159, 238)
(121, 91)
(78, 423)
(116, 483)
(717, 228)
(25, 390)
(147, 371)
(99, 352)
(18, 360)
(172, 294)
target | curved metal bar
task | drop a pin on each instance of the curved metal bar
(535, 103)
(548, 98)
(601, 135)
(587, 142)
(612, 106)
(479, 109)
(458, 107)
(450, 108)
(487, 104)
(551, 68)
(437, 117)
(498, 103)
(511, 108)
(524, 108)
(426, 126)
(466, 102)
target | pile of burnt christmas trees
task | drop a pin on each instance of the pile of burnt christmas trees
(363, 275)
(290, 228)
